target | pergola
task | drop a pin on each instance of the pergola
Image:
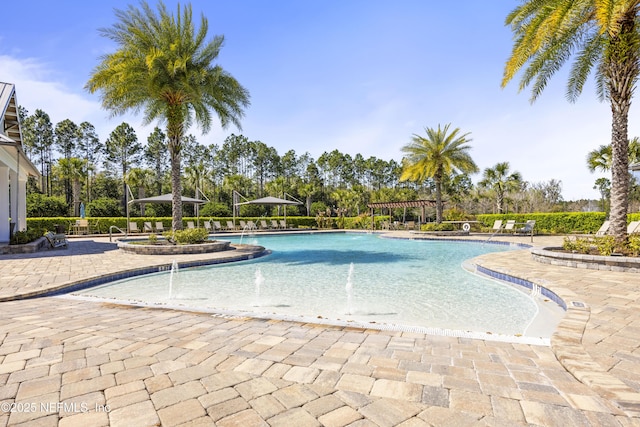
(404, 204)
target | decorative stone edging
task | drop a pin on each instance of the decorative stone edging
(202, 248)
(592, 262)
(28, 248)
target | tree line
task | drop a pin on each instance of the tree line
(77, 166)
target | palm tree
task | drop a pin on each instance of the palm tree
(498, 180)
(74, 170)
(600, 158)
(164, 67)
(599, 34)
(435, 156)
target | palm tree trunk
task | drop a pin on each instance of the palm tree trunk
(619, 176)
(622, 72)
(438, 182)
(176, 191)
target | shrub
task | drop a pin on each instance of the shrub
(153, 239)
(634, 244)
(187, 237)
(26, 236)
(39, 205)
(606, 245)
(432, 226)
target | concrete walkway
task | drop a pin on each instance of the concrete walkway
(68, 362)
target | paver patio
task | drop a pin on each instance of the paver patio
(71, 362)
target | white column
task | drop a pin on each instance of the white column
(21, 205)
(13, 212)
(4, 204)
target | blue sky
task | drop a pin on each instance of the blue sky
(360, 76)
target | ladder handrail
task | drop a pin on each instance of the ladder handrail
(117, 228)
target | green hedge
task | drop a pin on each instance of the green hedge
(102, 224)
(557, 222)
(551, 223)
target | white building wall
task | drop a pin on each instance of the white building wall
(4, 204)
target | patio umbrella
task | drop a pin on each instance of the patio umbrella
(271, 201)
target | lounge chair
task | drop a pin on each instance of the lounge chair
(264, 225)
(243, 224)
(56, 240)
(133, 227)
(159, 227)
(410, 225)
(252, 225)
(510, 225)
(207, 226)
(216, 225)
(231, 225)
(147, 227)
(633, 227)
(283, 224)
(527, 229)
(497, 226)
(191, 225)
(274, 224)
(603, 228)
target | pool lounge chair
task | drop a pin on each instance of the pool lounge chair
(207, 226)
(603, 228)
(527, 229)
(497, 226)
(147, 227)
(274, 224)
(133, 227)
(231, 225)
(252, 225)
(510, 225)
(264, 225)
(283, 224)
(159, 227)
(191, 225)
(633, 227)
(243, 224)
(56, 240)
(216, 225)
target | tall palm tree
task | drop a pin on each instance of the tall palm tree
(601, 35)
(438, 154)
(500, 181)
(165, 67)
(75, 171)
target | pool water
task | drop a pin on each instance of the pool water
(347, 277)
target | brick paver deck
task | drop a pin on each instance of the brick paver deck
(69, 362)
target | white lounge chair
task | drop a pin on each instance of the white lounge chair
(207, 226)
(633, 227)
(159, 227)
(264, 225)
(283, 224)
(231, 225)
(133, 227)
(510, 225)
(497, 226)
(216, 225)
(147, 227)
(191, 225)
(603, 228)
(252, 225)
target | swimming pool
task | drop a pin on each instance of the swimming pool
(352, 277)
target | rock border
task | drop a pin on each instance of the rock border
(202, 248)
(550, 255)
